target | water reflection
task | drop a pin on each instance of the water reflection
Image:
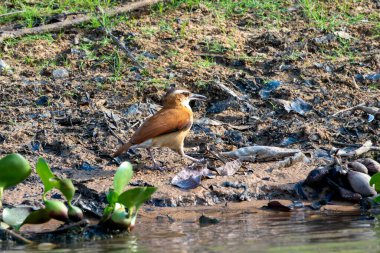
(247, 232)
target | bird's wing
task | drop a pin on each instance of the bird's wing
(163, 122)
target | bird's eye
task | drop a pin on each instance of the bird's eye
(186, 93)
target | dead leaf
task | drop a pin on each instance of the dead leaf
(190, 177)
(297, 105)
(230, 168)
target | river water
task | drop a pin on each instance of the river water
(244, 232)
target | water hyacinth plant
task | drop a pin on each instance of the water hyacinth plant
(54, 209)
(375, 181)
(18, 216)
(14, 169)
(121, 212)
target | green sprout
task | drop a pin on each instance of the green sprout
(14, 169)
(121, 212)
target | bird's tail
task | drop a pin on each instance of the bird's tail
(122, 149)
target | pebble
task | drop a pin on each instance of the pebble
(60, 73)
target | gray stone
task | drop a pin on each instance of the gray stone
(60, 73)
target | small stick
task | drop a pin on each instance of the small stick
(128, 7)
(117, 41)
(11, 13)
(367, 146)
(348, 109)
(110, 129)
(355, 83)
(16, 236)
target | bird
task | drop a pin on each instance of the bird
(166, 128)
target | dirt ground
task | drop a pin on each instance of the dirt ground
(73, 120)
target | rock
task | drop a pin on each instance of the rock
(60, 73)
(357, 166)
(360, 183)
(5, 68)
(372, 166)
(323, 40)
(343, 35)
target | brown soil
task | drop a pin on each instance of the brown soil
(68, 121)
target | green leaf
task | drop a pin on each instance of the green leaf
(375, 180)
(45, 174)
(16, 216)
(136, 197)
(37, 217)
(67, 188)
(112, 197)
(122, 177)
(377, 199)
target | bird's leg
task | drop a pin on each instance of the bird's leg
(155, 165)
(182, 153)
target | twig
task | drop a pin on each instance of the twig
(348, 109)
(371, 148)
(227, 90)
(11, 13)
(108, 32)
(70, 23)
(110, 129)
(355, 83)
(16, 236)
(357, 152)
(344, 144)
(218, 156)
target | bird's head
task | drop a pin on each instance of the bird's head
(178, 97)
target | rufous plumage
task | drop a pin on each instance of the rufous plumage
(168, 127)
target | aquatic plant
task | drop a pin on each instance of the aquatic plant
(14, 169)
(53, 209)
(375, 181)
(121, 212)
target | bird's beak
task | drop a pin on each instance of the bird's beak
(197, 97)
